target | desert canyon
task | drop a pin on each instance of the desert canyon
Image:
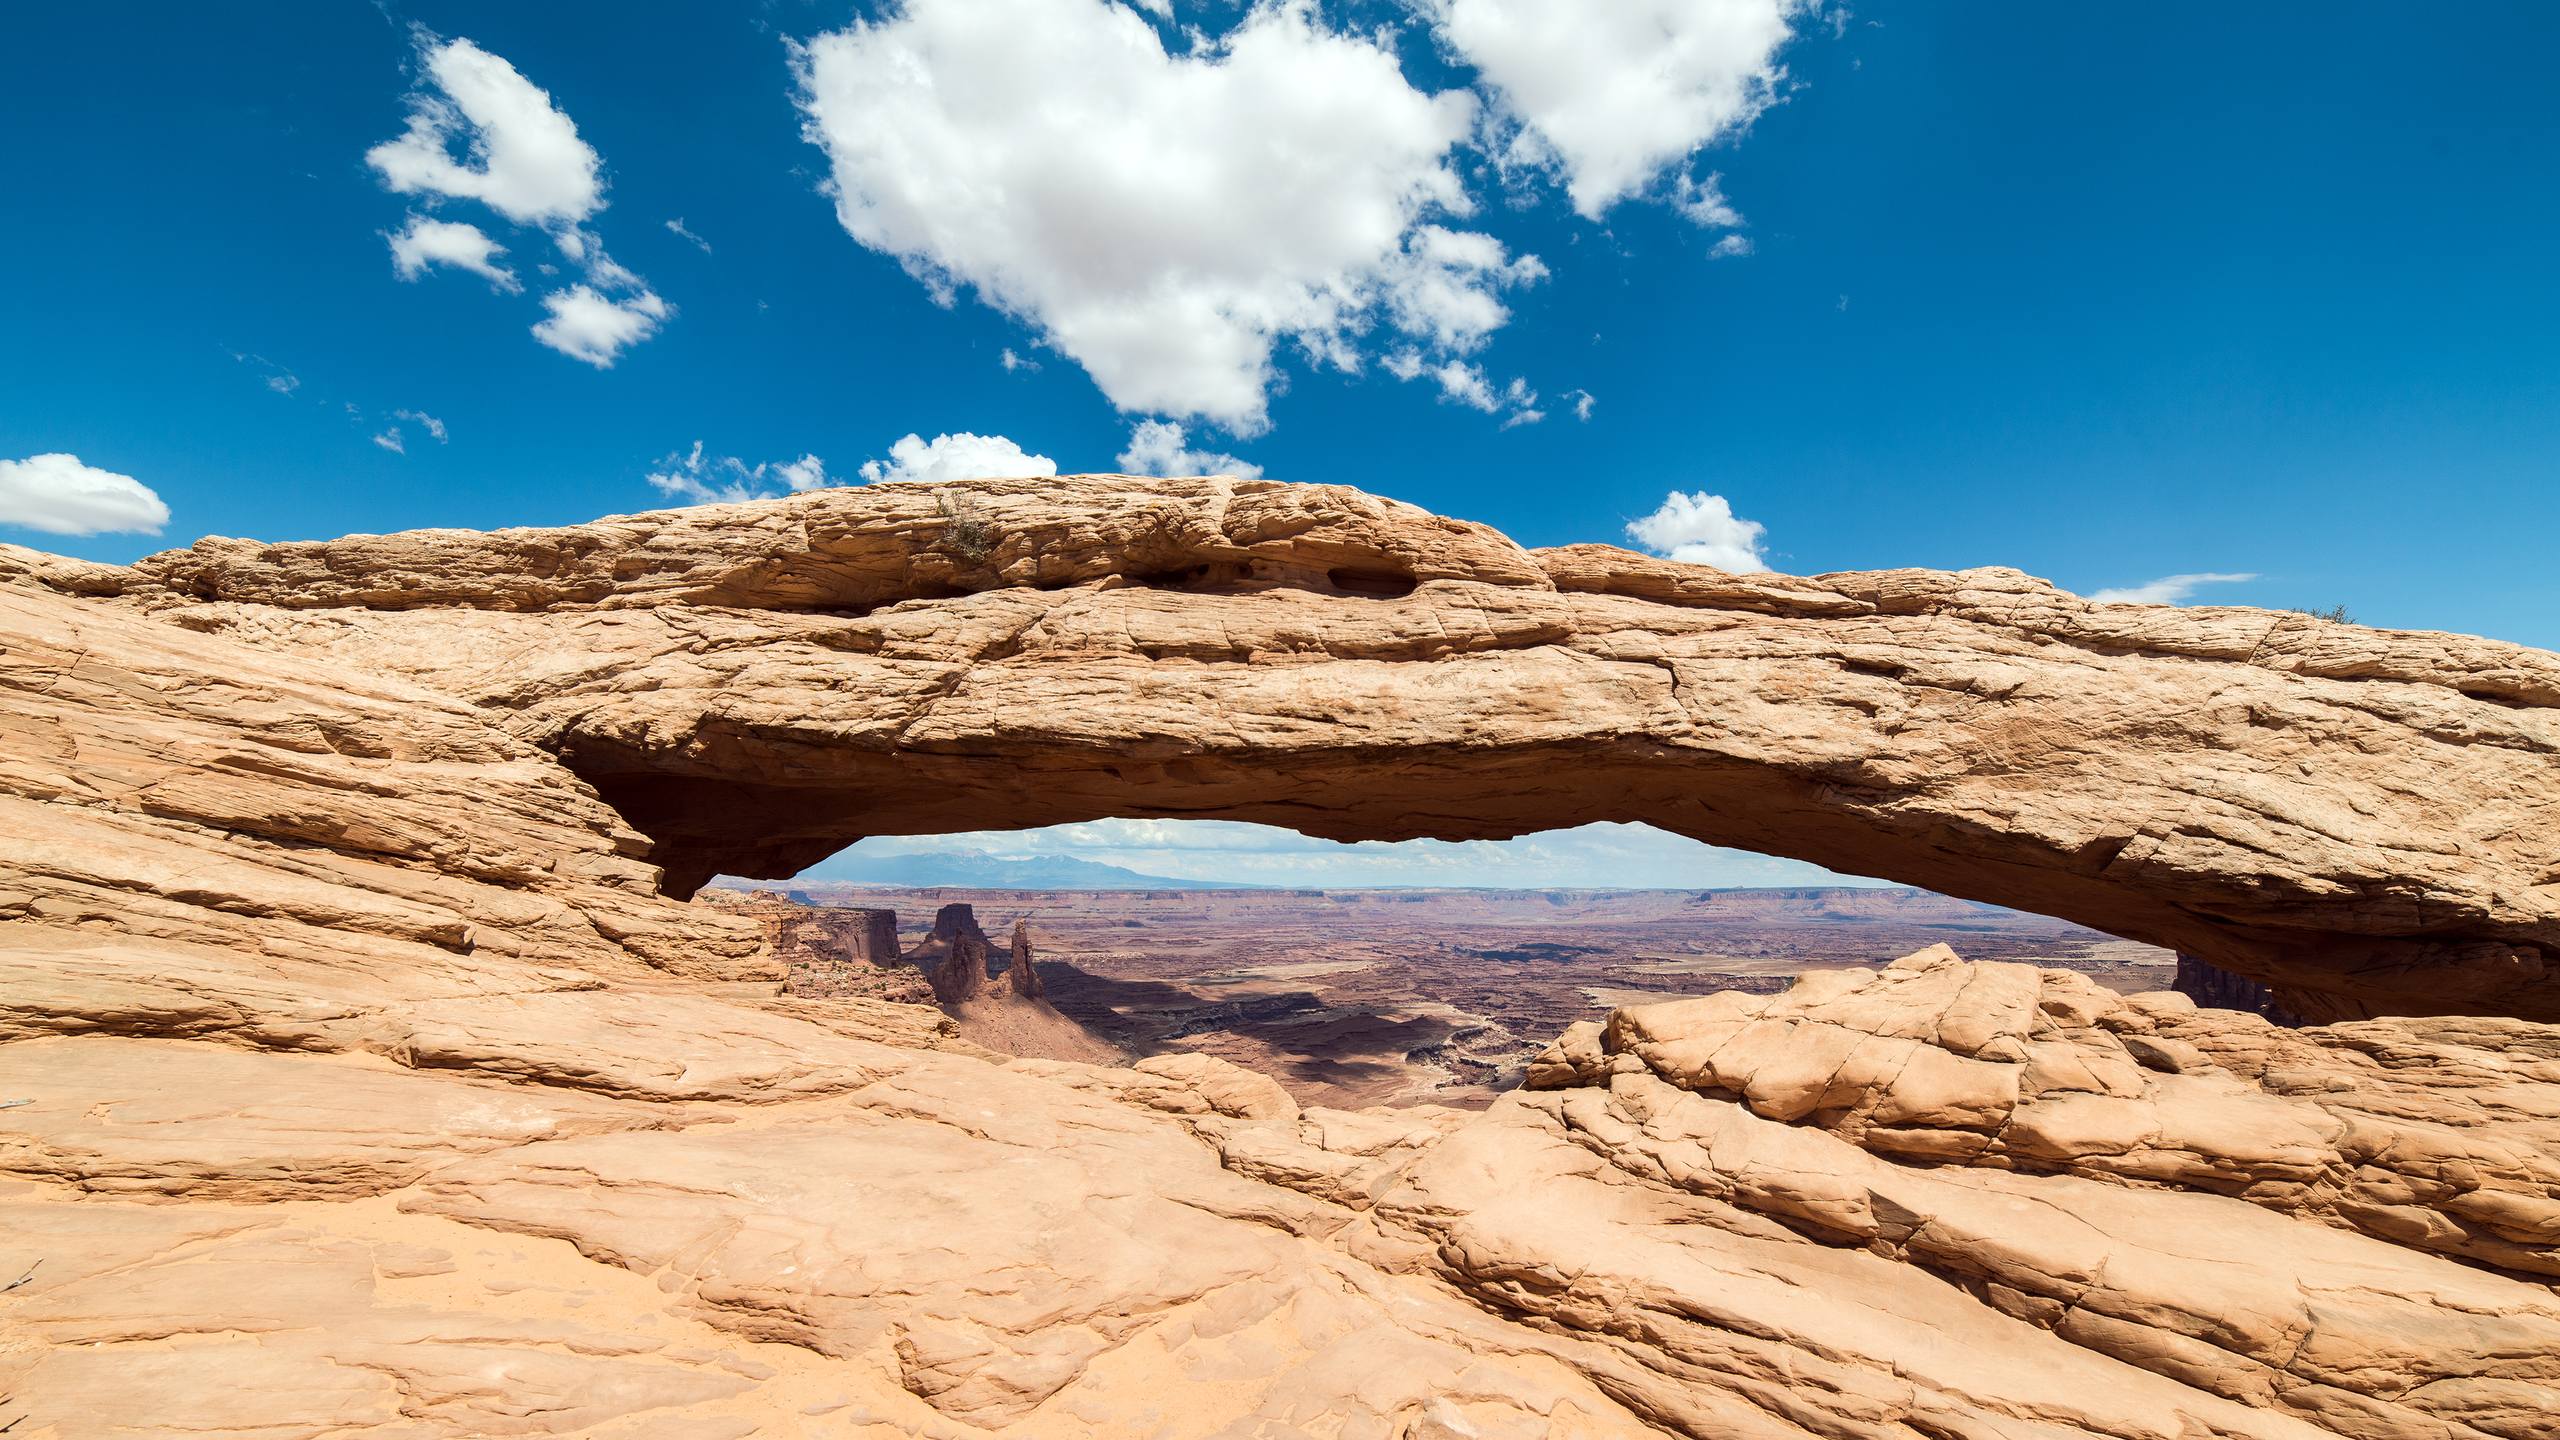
(376, 1061)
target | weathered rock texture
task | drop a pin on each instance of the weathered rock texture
(374, 1086)
(953, 955)
(1022, 973)
(2367, 820)
(962, 975)
(827, 952)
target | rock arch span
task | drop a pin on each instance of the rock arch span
(2368, 820)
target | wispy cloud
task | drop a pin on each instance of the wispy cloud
(676, 228)
(1465, 383)
(361, 418)
(2169, 589)
(699, 479)
(431, 424)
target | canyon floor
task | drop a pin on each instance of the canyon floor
(1360, 997)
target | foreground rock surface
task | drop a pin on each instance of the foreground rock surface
(2368, 820)
(529, 1242)
(374, 1086)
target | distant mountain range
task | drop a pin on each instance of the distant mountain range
(978, 870)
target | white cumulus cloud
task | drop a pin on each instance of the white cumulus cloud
(1466, 384)
(520, 155)
(1159, 447)
(60, 496)
(425, 243)
(699, 479)
(586, 324)
(479, 131)
(1616, 96)
(1167, 221)
(1703, 530)
(2169, 589)
(957, 457)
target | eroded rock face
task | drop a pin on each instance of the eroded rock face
(953, 956)
(962, 975)
(2392, 1128)
(376, 1087)
(829, 952)
(2367, 820)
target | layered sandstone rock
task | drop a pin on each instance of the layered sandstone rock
(2381, 1127)
(2368, 820)
(374, 1085)
(953, 955)
(829, 952)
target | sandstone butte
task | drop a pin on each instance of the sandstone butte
(368, 1071)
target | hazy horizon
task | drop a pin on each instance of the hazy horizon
(1606, 856)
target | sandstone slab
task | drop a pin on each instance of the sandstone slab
(2368, 820)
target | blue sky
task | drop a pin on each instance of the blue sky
(2108, 293)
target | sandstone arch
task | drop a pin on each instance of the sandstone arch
(2369, 820)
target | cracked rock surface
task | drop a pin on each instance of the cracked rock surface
(376, 1085)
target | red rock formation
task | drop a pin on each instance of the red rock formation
(963, 977)
(1023, 975)
(952, 921)
(358, 1091)
(754, 686)
(834, 953)
(878, 935)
